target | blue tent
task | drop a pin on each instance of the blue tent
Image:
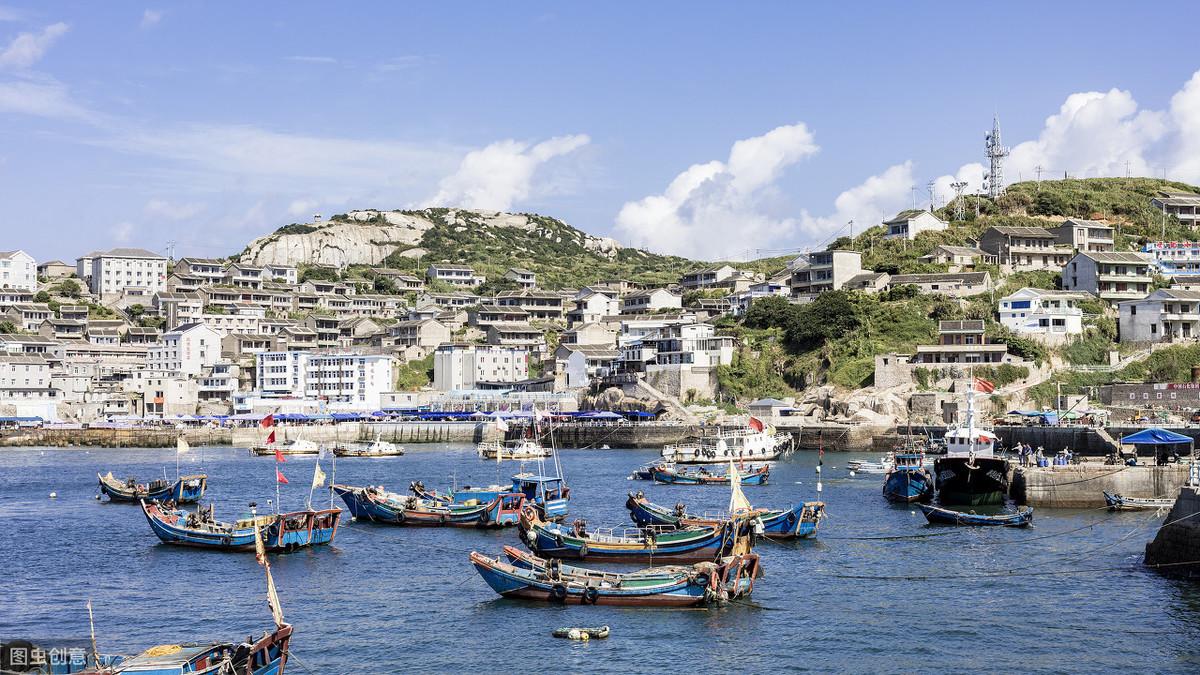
(639, 414)
(601, 415)
(1156, 436)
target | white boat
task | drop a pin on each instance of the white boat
(300, 446)
(520, 449)
(377, 448)
(746, 445)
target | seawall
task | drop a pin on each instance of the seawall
(1176, 547)
(111, 438)
(1084, 485)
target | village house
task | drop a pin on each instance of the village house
(1176, 260)
(867, 282)
(455, 275)
(208, 270)
(127, 271)
(594, 305)
(424, 333)
(186, 350)
(960, 342)
(706, 277)
(1090, 236)
(594, 334)
(1166, 315)
(1025, 248)
(739, 303)
(1109, 276)
(955, 285)
(1183, 205)
(1049, 316)
(18, 270)
(578, 365)
(651, 300)
(822, 271)
(517, 335)
(958, 258)
(908, 224)
(541, 306)
(55, 269)
(28, 317)
(487, 314)
(524, 278)
(468, 366)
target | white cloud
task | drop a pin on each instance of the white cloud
(869, 203)
(150, 18)
(28, 48)
(971, 174)
(302, 207)
(11, 14)
(707, 203)
(160, 208)
(313, 59)
(1184, 119)
(41, 98)
(501, 174)
(399, 63)
(122, 233)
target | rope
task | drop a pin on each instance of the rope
(292, 655)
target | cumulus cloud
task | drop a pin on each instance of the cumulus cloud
(41, 98)
(704, 204)
(971, 174)
(150, 18)
(1184, 120)
(869, 203)
(28, 48)
(499, 175)
(302, 207)
(161, 208)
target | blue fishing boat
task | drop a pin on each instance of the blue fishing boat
(549, 494)
(281, 532)
(671, 475)
(796, 522)
(375, 504)
(939, 516)
(182, 490)
(908, 480)
(532, 578)
(704, 541)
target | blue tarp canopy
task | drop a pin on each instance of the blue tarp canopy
(21, 419)
(601, 415)
(1050, 417)
(641, 414)
(347, 416)
(1156, 436)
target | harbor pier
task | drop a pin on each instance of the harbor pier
(1084, 485)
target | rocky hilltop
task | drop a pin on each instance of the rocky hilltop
(369, 237)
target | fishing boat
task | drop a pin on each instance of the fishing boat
(758, 442)
(646, 471)
(182, 490)
(533, 578)
(282, 532)
(908, 480)
(524, 448)
(669, 475)
(300, 446)
(1117, 502)
(884, 465)
(549, 494)
(940, 516)
(376, 504)
(970, 474)
(795, 522)
(376, 448)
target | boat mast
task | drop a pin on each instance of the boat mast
(92, 626)
(971, 411)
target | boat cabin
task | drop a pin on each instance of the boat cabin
(549, 492)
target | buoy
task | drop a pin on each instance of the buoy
(53, 495)
(853, 474)
(912, 513)
(97, 497)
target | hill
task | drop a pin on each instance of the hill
(491, 242)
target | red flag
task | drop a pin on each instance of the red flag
(271, 438)
(279, 456)
(279, 477)
(984, 386)
(756, 424)
(268, 421)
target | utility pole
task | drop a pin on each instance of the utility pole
(1127, 168)
(171, 250)
(930, 186)
(959, 210)
(913, 189)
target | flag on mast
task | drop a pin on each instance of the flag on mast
(984, 385)
(501, 425)
(756, 424)
(271, 438)
(268, 421)
(318, 476)
(181, 446)
(279, 478)
(737, 499)
(260, 554)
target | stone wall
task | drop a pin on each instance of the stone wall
(1083, 486)
(1176, 547)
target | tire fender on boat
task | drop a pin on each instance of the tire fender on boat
(591, 595)
(583, 550)
(558, 592)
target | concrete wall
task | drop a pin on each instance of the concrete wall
(1083, 486)
(1178, 540)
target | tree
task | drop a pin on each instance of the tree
(70, 288)
(384, 284)
(7, 328)
(770, 312)
(830, 314)
(42, 297)
(320, 274)
(135, 311)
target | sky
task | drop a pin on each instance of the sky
(711, 130)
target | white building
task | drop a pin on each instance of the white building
(1166, 315)
(1110, 276)
(186, 349)
(456, 275)
(128, 270)
(739, 303)
(908, 224)
(342, 380)
(464, 366)
(650, 300)
(25, 385)
(592, 306)
(18, 270)
(1050, 316)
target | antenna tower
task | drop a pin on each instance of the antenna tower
(996, 152)
(960, 211)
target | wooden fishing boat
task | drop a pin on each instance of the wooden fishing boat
(908, 480)
(549, 494)
(670, 475)
(182, 490)
(378, 505)
(646, 471)
(376, 448)
(300, 446)
(267, 655)
(1117, 502)
(940, 516)
(796, 522)
(523, 448)
(533, 578)
(282, 532)
(704, 541)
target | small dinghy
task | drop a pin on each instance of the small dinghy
(796, 522)
(584, 633)
(183, 490)
(670, 475)
(1117, 502)
(377, 448)
(376, 504)
(940, 516)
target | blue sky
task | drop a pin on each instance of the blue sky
(708, 129)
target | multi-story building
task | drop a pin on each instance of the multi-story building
(960, 342)
(956, 285)
(706, 277)
(342, 380)
(1050, 316)
(178, 308)
(466, 366)
(132, 271)
(541, 306)
(285, 274)
(739, 303)
(245, 276)
(1025, 248)
(424, 333)
(526, 279)
(55, 269)
(28, 317)
(1166, 315)
(1090, 236)
(650, 300)
(25, 384)
(908, 224)
(516, 335)
(1183, 205)
(1177, 260)
(695, 344)
(594, 305)
(580, 364)
(822, 271)
(455, 275)
(1109, 276)
(18, 270)
(207, 270)
(959, 258)
(187, 350)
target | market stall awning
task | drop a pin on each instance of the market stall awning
(1156, 436)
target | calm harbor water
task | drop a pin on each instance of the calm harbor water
(390, 600)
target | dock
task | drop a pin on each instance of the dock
(1083, 485)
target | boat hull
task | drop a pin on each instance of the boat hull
(939, 516)
(503, 510)
(185, 490)
(282, 533)
(797, 522)
(670, 476)
(908, 485)
(965, 481)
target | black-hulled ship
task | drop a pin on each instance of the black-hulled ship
(970, 474)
